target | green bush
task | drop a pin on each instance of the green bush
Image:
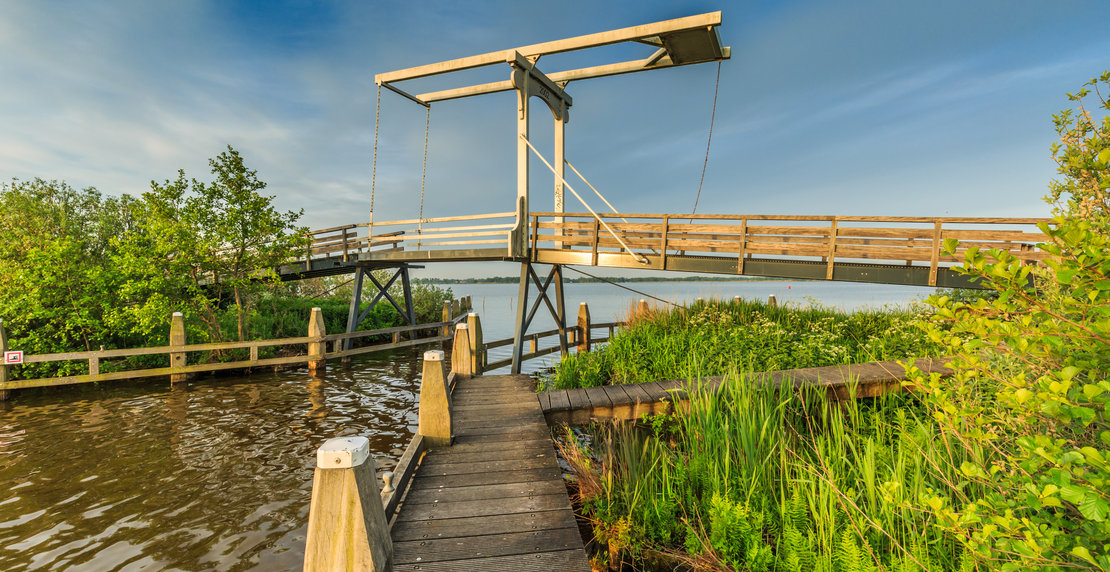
(713, 338)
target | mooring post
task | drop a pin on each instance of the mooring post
(461, 357)
(455, 308)
(347, 529)
(177, 339)
(4, 393)
(435, 403)
(736, 300)
(772, 302)
(643, 307)
(583, 327)
(446, 331)
(474, 330)
(316, 350)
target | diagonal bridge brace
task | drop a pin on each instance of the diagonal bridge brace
(557, 308)
(355, 317)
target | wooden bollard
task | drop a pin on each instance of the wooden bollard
(642, 309)
(435, 402)
(4, 377)
(477, 355)
(772, 302)
(583, 327)
(455, 308)
(446, 330)
(177, 339)
(736, 300)
(347, 529)
(461, 357)
(316, 350)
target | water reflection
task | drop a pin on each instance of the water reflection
(215, 474)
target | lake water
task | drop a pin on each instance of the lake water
(217, 474)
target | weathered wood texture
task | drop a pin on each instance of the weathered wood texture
(495, 499)
(631, 401)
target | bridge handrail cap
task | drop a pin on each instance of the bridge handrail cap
(462, 327)
(343, 453)
(433, 355)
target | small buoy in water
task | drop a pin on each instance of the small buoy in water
(787, 286)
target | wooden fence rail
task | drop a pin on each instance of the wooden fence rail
(315, 355)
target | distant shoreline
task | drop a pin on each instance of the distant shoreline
(515, 280)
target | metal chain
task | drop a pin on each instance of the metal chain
(374, 167)
(423, 173)
(712, 120)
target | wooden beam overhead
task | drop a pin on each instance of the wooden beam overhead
(650, 63)
(699, 25)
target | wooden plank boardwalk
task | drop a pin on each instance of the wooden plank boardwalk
(624, 402)
(495, 499)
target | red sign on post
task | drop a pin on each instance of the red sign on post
(13, 358)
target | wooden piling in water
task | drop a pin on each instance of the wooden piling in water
(347, 528)
(583, 327)
(316, 350)
(435, 402)
(177, 339)
(474, 331)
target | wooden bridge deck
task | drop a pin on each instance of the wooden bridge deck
(495, 499)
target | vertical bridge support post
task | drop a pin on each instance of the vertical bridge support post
(524, 317)
(316, 350)
(356, 314)
(347, 529)
(435, 402)
(177, 339)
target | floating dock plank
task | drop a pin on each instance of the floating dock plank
(631, 401)
(495, 499)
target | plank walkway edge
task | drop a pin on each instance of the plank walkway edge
(630, 401)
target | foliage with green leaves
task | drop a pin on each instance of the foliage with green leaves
(1027, 413)
(200, 247)
(1083, 155)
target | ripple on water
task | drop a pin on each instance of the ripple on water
(213, 475)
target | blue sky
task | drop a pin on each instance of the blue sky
(856, 107)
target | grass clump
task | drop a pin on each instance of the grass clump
(752, 478)
(715, 337)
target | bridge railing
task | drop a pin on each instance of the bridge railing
(889, 240)
(349, 242)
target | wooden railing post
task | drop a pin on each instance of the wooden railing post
(434, 421)
(462, 363)
(935, 258)
(772, 302)
(736, 300)
(583, 327)
(642, 308)
(455, 308)
(477, 354)
(177, 339)
(446, 330)
(4, 376)
(316, 350)
(347, 528)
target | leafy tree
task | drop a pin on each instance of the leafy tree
(201, 247)
(1082, 156)
(1027, 414)
(55, 294)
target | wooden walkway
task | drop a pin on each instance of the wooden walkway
(495, 499)
(631, 401)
